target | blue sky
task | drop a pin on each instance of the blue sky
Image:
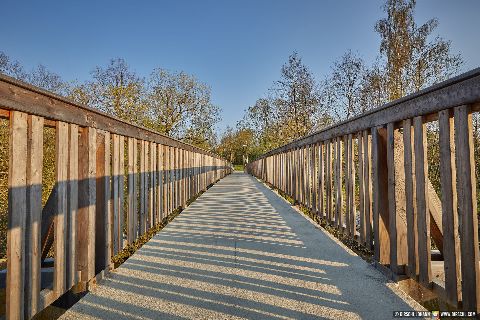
(237, 47)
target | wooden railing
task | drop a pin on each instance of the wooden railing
(113, 182)
(368, 177)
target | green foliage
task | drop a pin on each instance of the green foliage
(291, 111)
(187, 112)
(412, 60)
(237, 145)
(174, 104)
(238, 167)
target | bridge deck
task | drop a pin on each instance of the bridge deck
(240, 251)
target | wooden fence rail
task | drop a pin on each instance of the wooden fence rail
(114, 181)
(395, 209)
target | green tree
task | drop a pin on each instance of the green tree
(180, 106)
(237, 145)
(114, 89)
(412, 59)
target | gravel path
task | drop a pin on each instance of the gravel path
(242, 252)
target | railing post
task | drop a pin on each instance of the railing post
(396, 200)
(448, 178)
(467, 208)
(86, 204)
(17, 195)
(103, 223)
(423, 214)
(380, 195)
(34, 215)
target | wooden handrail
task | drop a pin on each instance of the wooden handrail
(21, 96)
(457, 91)
(399, 212)
(113, 182)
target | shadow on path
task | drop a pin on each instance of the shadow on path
(240, 251)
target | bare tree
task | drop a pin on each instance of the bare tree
(296, 99)
(345, 84)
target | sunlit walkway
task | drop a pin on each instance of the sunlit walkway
(240, 251)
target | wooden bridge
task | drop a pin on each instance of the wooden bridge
(240, 250)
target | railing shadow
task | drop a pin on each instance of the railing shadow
(214, 262)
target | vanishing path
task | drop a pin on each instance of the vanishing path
(241, 251)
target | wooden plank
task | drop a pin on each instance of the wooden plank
(197, 173)
(348, 155)
(121, 190)
(165, 181)
(305, 175)
(33, 215)
(352, 205)
(151, 184)
(17, 208)
(159, 182)
(396, 200)
(175, 178)
(294, 174)
(335, 182)
(205, 170)
(171, 179)
(86, 204)
(143, 189)
(60, 220)
(423, 215)
(380, 196)
(192, 174)
(451, 240)
(289, 173)
(467, 208)
(135, 190)
(321, 182)
(368, 186)
(314, 176)
(181, 170)
(410, 198)
(183, 178)
(361, 190)
(187, 176)
(132, 198)
(311, 179)
(102, 221)
(300, 175)
(106, 184)
(72, 206)
(319, 177)
(329, 182)
(339, 191)
(116, 193)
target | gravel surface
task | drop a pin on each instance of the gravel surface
(242, 252)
